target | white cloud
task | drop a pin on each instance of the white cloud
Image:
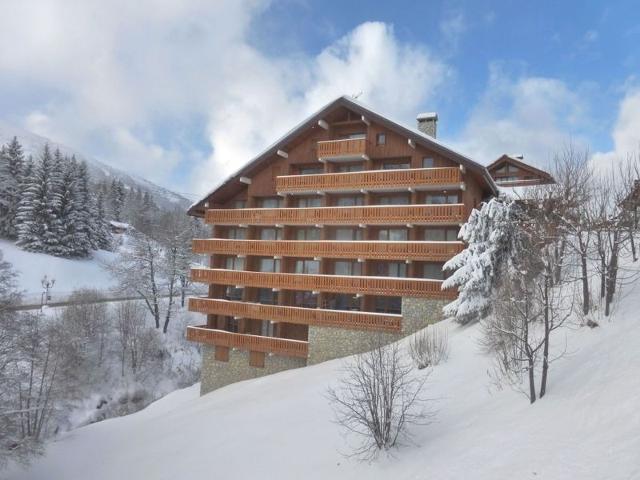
(533, 116)
(122, 77)
(625, 134)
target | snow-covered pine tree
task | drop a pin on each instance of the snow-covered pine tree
(68, 211)
(116, 199)
(489, 234)
(103, 234)
(11, 171)
(58, 191)
(85, 227)
(36, 218)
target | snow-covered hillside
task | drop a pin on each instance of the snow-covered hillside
(70, 274)
(280, 426)
(33, 144)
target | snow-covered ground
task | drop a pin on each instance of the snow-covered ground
(280, 426)
(70, 274)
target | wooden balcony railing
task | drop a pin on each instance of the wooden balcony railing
(344, 149)
(448, 214)
(380, 250)
(252, 343)
(418, 178)
(388, 286)
(303, 316)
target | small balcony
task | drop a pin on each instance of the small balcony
(347, 149)
(373, 180)
(446, 214)
(373, 250)
(351, 320)
(365, 285)
(251, 343)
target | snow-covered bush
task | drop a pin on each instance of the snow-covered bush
(430, 346)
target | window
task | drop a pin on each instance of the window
(270, 202)
(310, 233)
(441, 234)
(393, 234)
(306, 202)
(381, 139)
(355, 136)
(442, 198)
(502, 169)
(310, 267)
(348, 234)
(270, 234)
(433, 271)
(349, 167)
(347, 268)
(310, 169)
(388, 304)
(396, 166)
(391, 269)
(234, 263)
(267, 328)
(239, 204)
(341, 301)
(267, 296)
(271, 265)
(237, 233)
(233, 293)
(349, 201)
(393, 200)
(232, 324)
(427, 162)
(305, 299)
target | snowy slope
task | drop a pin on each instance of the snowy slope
(70, 274)
(279, 426)
(33, 144)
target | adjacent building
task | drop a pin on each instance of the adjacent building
(333, 237)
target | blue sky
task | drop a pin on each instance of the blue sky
(185, 92)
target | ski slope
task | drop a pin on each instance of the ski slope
(280, 426)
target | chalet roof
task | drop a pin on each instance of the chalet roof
(519, 163)
(417, 136)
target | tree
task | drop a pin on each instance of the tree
(116, 199)
(489, 237)
(377, 399)
(37, 222)
(11, 171)
(138, 270)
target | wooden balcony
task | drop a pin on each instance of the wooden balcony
(343, 150)
(449, 214)
(252, 343)
(366, 285)
(374, 180)
(304, 316)
(376, 250)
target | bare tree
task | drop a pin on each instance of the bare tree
(430, 346)
(135, 340)
(377, 399)
(138, 270)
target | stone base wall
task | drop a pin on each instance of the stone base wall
(329, 343)
(215, 374)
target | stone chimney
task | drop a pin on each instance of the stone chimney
(427, 123)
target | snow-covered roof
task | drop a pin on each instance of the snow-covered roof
(427, 116)
(115, 224)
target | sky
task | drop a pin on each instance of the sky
(185, 92)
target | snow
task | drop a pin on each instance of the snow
(122, 225)
(70, 274)
(280, 426)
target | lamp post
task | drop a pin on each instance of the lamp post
(47, 285)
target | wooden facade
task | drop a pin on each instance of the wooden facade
(331, 227)
(511, 171)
